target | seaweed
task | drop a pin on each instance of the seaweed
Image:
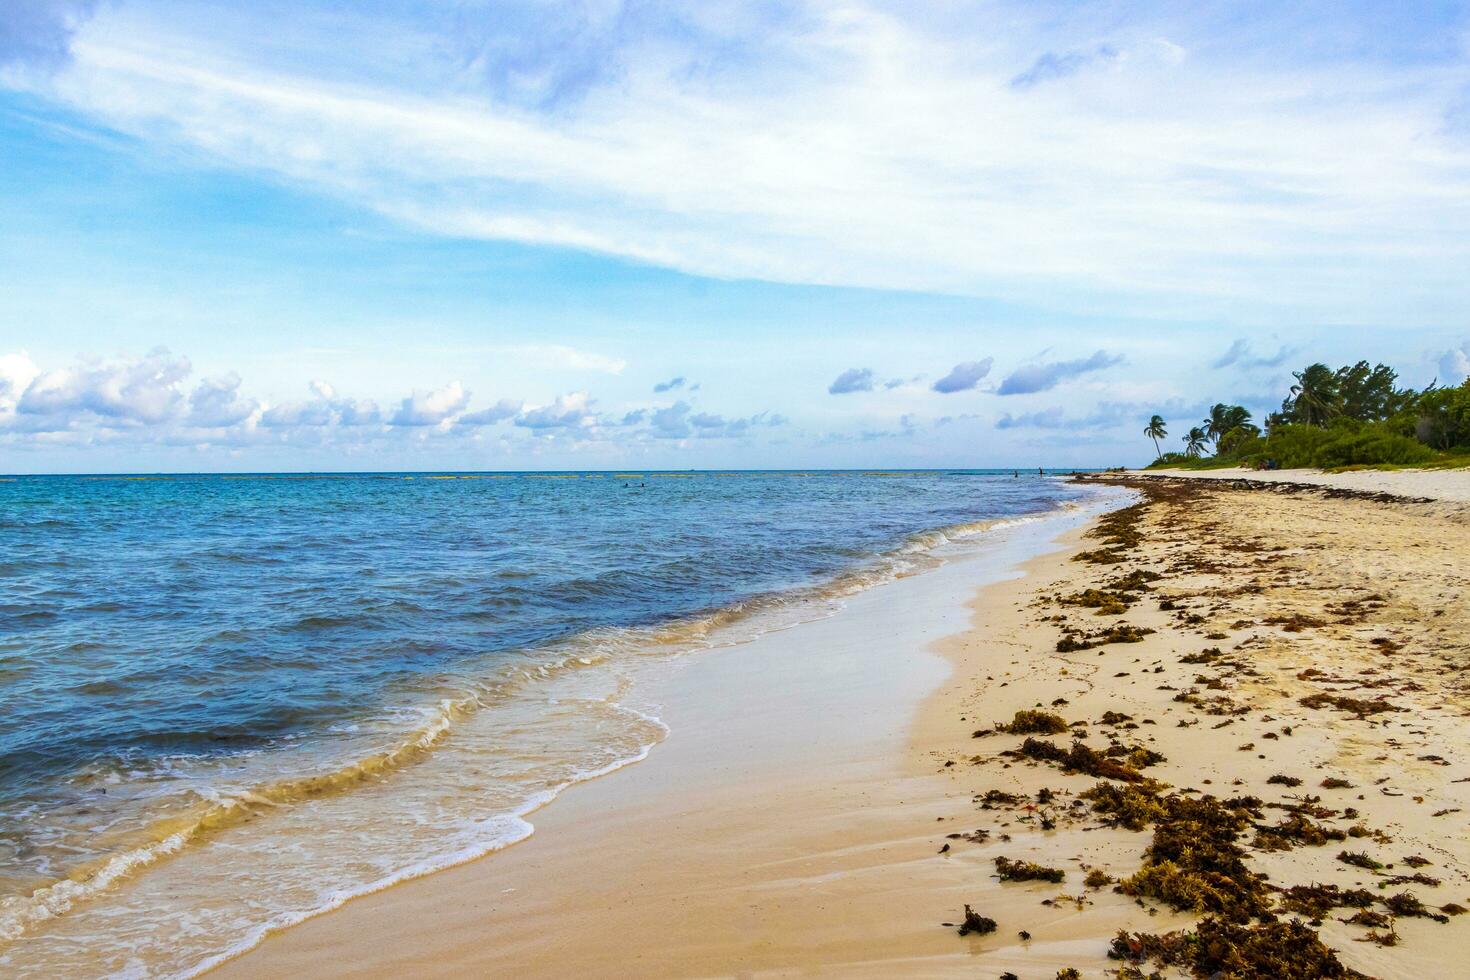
(1079, 758)
(1194, 864)
(1120, 633)
(1359, 860)
(1282, 780)
(1096, 878)
(1106, 603)
(1369, 918)
(1133, 807)
(1357, 706)
(1008, 870)
(1033, 723)
(1233, 951)
(1407, 905)
(1293, 831)
(1315, 901)
(1333, 782)
(976, 923)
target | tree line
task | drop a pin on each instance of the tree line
(1354, 415)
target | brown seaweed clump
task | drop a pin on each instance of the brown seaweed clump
(1295, 830)
(1080, 758)
(1227, 950)
(1358, 706)
(1316, 901)
(1106, 603)
(1121, 633)
(976, 923)
(1194, 864)
(1033, 723)
(1008, 870)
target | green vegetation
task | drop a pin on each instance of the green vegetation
(1352, 417)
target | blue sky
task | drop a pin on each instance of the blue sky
(482, 235)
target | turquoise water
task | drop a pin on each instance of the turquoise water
(180, 655)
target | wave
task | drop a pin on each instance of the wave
(216, 812)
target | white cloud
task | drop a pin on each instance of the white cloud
(216, 403)
(871, 147)
(1454, 366)
(562, 357)
(144, 391)
(569, 411)
(1032, 378)
(499, 412)
(851, 380)
(17, 371)
(964, 376)
(431, 407)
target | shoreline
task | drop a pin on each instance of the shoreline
(851, 844)
(815, 722)
(833, 796)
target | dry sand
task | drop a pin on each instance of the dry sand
(1447, 485)
(820, 806)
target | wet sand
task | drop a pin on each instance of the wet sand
(823, 805)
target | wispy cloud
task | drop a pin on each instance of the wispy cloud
(1051, 66)
(1042, 377)
(851, 380)
(673, 384)
(38, 33)
(964, 376)
(1205, 182)
(1240, 354)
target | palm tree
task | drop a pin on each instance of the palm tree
(1214, 423)
(1225, 418)
(1315, 396)
(1194, 443)
(1156, 431)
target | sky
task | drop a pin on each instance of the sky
(592, 234)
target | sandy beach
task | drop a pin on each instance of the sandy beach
(1273, 675)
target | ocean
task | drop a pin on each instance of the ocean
(232, 702)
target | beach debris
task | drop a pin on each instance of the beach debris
(1009, 870)
(1028, 722)
(1357, 706)
(975, 923)
(1219, 947)
(1359, 860)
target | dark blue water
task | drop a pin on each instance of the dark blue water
(148, 621)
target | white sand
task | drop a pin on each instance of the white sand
(1446, 485)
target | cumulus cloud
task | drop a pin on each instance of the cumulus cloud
(38, 33)
(851, 380)
(1454, 365)
(504, 409)
(431, 407)
(963, 376)
(150, 400)
(17, 371)
(216, 403)
(1240, 354)
(1043, 377)
(672, 422)
(569, 411)
(144, 391)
